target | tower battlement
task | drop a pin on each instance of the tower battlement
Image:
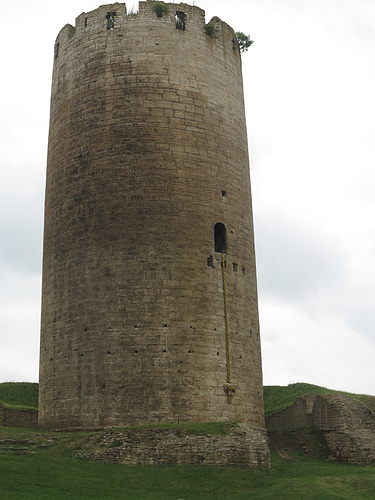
(115, 20)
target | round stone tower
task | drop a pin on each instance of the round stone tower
(149, 309)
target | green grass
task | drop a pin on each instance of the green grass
(19, 395)
(54, 471)
(277, 397)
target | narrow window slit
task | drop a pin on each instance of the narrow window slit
(110, 20)
(180, 20)
(220, 235)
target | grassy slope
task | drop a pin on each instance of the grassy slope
(277, 398)
(44, 473)
(54, 471)
(19, 394)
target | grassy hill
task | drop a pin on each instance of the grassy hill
(277, 397)
(19, 395)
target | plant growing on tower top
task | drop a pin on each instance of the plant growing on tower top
(160, 8)
(243, 41)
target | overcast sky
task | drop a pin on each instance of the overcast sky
(309, 82)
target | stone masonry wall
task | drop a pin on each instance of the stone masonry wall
(348, 426)
(297, 415)
(242, 446)
(147, 154)
(18, 418)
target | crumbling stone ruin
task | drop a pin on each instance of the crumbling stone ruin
(348, 425)
(161, 446)
(18, 417)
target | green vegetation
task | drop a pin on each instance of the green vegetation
(277, 397)
(53, 470)
(368, 401)
(209, 29)
(243, 41)
(19, 395)
(160, 8)
(51, 467)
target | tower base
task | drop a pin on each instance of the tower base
(243, 445)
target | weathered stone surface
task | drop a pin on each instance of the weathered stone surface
(348, 426)
(242, 446)
(18, 418)
(147, 154)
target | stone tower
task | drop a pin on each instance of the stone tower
(147, 196)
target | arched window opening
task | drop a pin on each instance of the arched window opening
(220, 234)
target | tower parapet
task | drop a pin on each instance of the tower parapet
(149, 306)
(183, 17)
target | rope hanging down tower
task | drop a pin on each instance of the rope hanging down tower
(229, 389)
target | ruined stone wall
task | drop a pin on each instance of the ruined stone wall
(242, 446)
(21, 418)
(297, 415)
(18, 418)
(147, 153)
(348, 426)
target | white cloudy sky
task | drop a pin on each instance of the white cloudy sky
(309, 84)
